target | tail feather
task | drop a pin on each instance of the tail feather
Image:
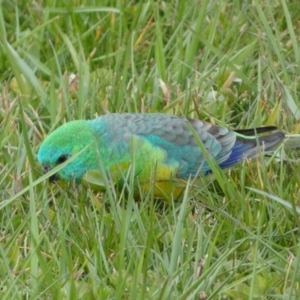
(292, 141)
(255, 131)
(247, 147)
(267, 143)
(249, 144)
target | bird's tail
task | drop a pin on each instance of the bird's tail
(248, 145)
(292, 141)
(254, 131)
(271, 141)
(253, 141)
(265, 143)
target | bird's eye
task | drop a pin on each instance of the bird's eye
(62, 158)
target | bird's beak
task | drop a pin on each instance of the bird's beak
(52, 178)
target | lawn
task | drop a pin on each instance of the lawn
(232, 63)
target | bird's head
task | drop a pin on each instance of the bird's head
(65, 142)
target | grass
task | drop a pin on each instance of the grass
(235, 64)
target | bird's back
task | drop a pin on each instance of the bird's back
(170, 144)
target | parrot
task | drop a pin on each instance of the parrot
(163, 148)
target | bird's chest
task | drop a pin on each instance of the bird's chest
(136, 154)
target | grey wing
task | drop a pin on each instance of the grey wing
(172, 133)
